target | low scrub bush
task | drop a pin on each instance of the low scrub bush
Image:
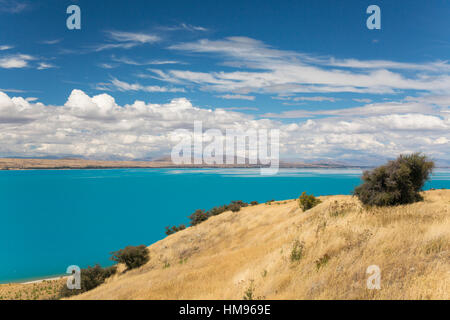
(132, 256)
(201, 215)
(91, 277)
(397, 182)
(307, 202)
(174, 229)
(198, 217)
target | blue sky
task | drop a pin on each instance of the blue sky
(301, 66)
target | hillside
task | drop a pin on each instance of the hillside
(229, 254)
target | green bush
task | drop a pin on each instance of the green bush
(254, 203)
(307, 202)
(174, 229)
(397, 182)
(91, 277)
(132, 256)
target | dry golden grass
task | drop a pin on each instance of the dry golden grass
(280, 252)
(335, 242)
(224, 256)
(42, 290)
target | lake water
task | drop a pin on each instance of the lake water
(50, 219)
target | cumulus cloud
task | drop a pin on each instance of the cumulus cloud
(98, 128)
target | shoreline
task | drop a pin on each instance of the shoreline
(61, 164)
(35, 280)
(42, 280)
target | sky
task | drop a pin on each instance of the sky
(136, 71)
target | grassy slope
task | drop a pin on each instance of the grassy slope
(41, 290)
(219, 258)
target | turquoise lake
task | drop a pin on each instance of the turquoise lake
(51, 219)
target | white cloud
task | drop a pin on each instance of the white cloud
(285, 72)
(364, 100)
(5, 47)
(237, 96)
(125, 86)
(50, 42)
(185, 26)
(45, 65)
(122, 36)
(15, 61)
(403, 107)
(129, 61)
(107, 66)
(126, 40)
(13, 6)
(98, 128)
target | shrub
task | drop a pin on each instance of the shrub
(239, 203)
(234, 207)
(174, 229)
(198, 217)
(131, 256)
(307, 202)
(91, 277)
(217, 210)
(254, 203)
(397, 182)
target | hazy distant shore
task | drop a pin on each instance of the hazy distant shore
(25, 164)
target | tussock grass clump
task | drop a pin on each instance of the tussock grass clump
(297, 250)
(132, 256)
(337, 209)
(397, 182)
(322, 261)
(307, 202)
